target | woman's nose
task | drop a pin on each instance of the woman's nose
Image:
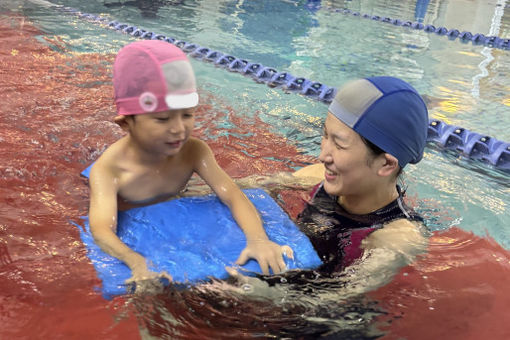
(325, 154)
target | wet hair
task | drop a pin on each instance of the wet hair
(376, 151)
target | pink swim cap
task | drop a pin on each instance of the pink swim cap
(153, 76)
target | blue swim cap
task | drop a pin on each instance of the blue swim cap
(388, 112)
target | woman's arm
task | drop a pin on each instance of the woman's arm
(304, 178)
(312, 173)
(386, 250)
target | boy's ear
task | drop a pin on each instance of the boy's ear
(388, 165)
(122, 121)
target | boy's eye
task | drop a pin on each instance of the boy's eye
(162, 119)
(188, 115)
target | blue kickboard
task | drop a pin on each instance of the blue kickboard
(194, 238)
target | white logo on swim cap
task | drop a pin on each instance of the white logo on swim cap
(148, 101)
(181, 101)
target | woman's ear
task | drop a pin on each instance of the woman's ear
(388, 165)
(122, 121)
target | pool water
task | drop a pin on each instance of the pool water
(56, 119)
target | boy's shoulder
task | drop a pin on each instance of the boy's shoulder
(196, 147)
(108, 163)
(198, 153)
(196, 142)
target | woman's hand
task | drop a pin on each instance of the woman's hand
(268, 255)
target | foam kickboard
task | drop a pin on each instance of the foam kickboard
(194, 238)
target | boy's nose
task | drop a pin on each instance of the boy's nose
(176, 126)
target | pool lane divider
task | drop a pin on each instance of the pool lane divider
(476, 146)
(451, 34)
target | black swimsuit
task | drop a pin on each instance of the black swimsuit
(336, 234)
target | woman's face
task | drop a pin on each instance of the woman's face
(349, 170)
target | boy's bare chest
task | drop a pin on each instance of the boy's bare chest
(144, 185)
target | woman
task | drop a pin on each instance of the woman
(356, 216)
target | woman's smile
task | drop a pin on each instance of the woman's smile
(329, 175)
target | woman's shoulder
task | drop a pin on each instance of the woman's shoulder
(400, 235)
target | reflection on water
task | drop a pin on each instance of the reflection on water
(220, 310)
(148, 8)
(56, 119)
(331, 47)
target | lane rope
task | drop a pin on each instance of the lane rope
(451, 34)
(476, 146)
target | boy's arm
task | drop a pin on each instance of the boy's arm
(267, 253)
(103, 222)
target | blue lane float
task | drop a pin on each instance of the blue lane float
(471, 144)
(451, 34)
(259, 72)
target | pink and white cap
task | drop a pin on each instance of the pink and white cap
(153, 76)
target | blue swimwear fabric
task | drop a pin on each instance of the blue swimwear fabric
(194, 238)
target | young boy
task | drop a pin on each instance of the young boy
(156, 99)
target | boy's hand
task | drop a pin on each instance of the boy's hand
(145, 279)
(148, 275)
(267, 253)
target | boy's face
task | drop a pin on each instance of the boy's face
(161, 132)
